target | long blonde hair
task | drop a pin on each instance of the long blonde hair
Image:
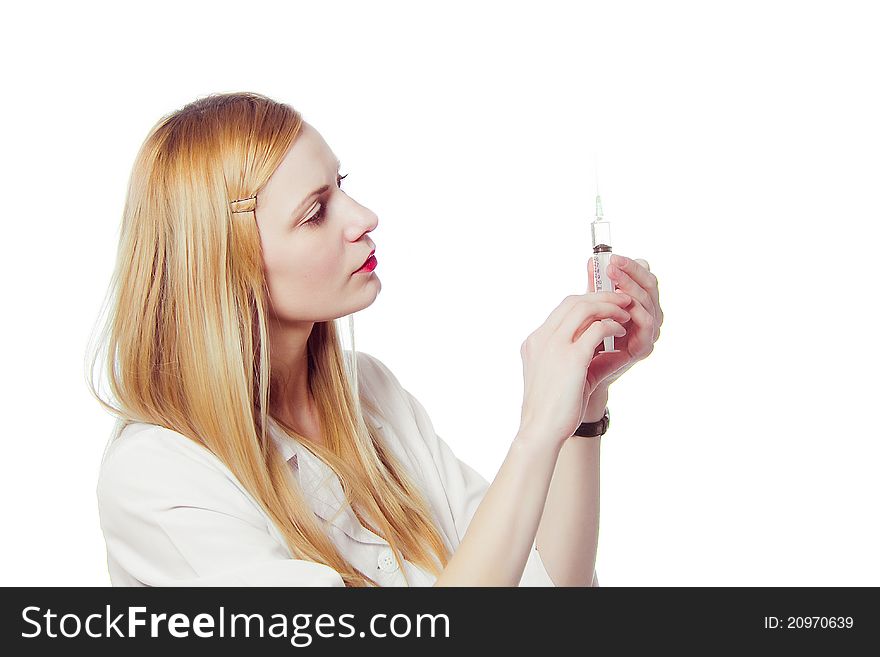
(185, 340)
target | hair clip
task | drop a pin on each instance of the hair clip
(248, 204)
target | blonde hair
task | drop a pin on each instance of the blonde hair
(186, 340)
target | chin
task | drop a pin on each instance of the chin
(365, 300)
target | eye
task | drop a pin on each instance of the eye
(318, 218)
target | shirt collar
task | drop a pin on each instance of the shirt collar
(321, 486)
(291, 448)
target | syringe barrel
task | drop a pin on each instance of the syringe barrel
(601, 259)
(601, 281)
(601, 231)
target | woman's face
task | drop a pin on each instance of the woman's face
(314, 237)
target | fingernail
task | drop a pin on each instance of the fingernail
(620, 261)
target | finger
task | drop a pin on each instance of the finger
(639, 271)
(592, 283)
(645, 320)
(654, 292)
(643, 328)
(555, 319)
(629, 285)
(618, 296)
(584, 314)
(590, 339)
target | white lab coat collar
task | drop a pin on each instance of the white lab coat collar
(321, 486)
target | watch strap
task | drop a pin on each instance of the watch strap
(593, 429)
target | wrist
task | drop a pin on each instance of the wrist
(594, 429)
(535, 440)
(596, 405)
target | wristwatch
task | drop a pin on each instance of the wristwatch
(593, 429)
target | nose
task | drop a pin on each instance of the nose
(373, 220)
(367, 222)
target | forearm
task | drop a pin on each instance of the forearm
(568, 533)
(499, 538)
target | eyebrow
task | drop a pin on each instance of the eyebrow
(297, 213)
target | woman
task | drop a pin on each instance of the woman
(253, 450)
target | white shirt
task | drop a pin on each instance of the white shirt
(173, 514)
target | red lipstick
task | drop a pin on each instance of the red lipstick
(369, 265)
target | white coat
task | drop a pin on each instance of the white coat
(173, 514)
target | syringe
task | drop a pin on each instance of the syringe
(601, 231)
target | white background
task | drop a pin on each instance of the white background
(738, 154)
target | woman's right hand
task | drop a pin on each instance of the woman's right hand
(556, 357)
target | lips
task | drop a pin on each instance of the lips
(365, 261)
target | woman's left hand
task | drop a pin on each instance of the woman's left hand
(633, 277)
